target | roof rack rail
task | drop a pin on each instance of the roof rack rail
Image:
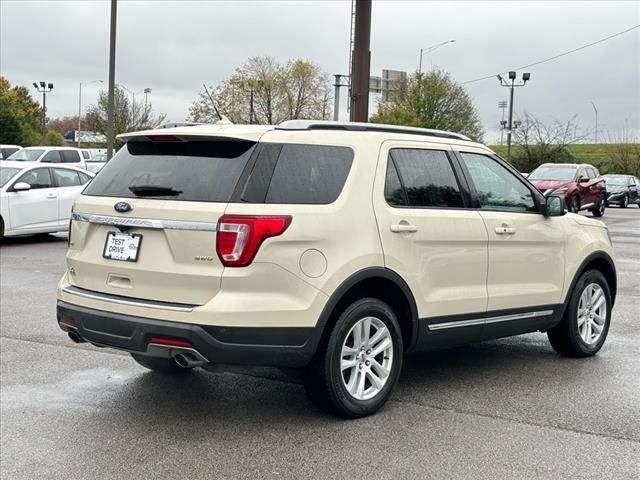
(366, 127)
(179, 124)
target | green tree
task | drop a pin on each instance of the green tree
(264, 91)
(431, 100)
(127, 116)
(24, 111)
(54, 139)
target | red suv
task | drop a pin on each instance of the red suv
(580, 184)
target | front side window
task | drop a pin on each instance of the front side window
(497, 187)
(52, 156)
(421, 178)
(66, 178)
(591, 172)
(37, 178)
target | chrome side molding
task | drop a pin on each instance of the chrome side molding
(485, 320)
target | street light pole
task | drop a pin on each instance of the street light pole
(44, 88)
(80, 107)
(511, 86)
(595, 110)
(430, 49)
(361, 62)
(112, 78)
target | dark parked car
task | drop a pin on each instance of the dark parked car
(580, 184)
(622, 190)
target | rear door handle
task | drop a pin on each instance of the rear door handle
(52, 195)
(403, 227)
(505, 230)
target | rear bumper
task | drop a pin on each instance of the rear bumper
(269, 346)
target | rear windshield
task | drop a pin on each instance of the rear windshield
(197, 171)
(27, 155)
(553, 173)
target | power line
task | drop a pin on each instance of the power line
(556, 56)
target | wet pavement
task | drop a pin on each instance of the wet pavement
(509, 408)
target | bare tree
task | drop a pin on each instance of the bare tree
(541, 142)
(266, 92)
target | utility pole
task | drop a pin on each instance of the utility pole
(44, 88)
(112, 78)
(595, 110)
(511, 86)
(502, 105)
(361, 62)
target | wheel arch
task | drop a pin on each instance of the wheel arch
(602, 262)
(376, 282)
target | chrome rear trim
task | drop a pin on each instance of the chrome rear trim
(152, 223)
(131, 302)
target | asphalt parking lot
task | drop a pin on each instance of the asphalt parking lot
(510, 408)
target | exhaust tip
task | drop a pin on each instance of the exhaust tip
(73, 335)
(187, 360)
(181, 360)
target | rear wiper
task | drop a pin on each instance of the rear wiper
(153, 190)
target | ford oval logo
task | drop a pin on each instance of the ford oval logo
(122, 207)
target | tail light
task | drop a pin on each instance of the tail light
(239, 237)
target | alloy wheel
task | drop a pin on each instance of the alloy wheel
(575, 204)
(592, 313)
(366, 358)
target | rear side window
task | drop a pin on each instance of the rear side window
(86, 155)
(198, 171)
(66, 178)
(52, 156)
(70, 156)
(298, 174)
(421, 178)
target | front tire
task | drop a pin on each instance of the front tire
(356, 368)
(585, 324)
(574, 206)
(599, 210)
(166, 366)
(625, 201)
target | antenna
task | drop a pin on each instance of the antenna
(213, 102)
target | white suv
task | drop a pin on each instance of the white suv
(68, 155)
(337, 248)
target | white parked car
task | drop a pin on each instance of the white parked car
(67, 155)
(95, 164)
(37, 198)
(6, 150)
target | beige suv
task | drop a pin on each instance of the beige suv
(335, 248)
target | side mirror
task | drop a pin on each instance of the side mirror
(584, 180)
(21, 187)
(555, 206)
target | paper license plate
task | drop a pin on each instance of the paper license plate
(122, 246)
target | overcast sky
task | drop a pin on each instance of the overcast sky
(175, 46)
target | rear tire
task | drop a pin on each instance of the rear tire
(357, 366)
(165, 366)
(577, 333)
